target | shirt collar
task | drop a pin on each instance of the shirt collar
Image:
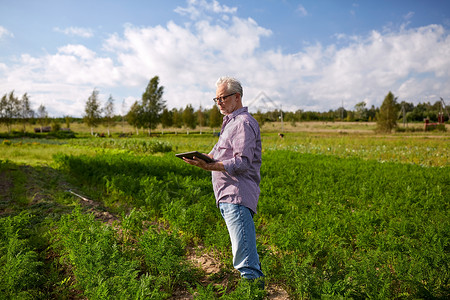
(236, 112)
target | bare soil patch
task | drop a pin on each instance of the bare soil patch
(5, 192)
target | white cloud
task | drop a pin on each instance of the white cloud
(200, 8)
(409, 15)
(301, 10)
(76, 31)
(412, 63)
(389, 62)
(5, 33)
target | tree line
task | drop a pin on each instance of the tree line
(150, 111)
(412, 113)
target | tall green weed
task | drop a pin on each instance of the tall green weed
(101, 270)
(164, 259)
(20, 265)
(328, 226)
(166, 187)
(136, 145)
(126, 262)
(356, 228)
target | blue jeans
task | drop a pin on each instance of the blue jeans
(239, 220)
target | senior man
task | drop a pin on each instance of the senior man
(236, 175)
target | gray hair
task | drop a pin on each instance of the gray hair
(233, 85)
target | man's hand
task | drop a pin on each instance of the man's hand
(214, 166)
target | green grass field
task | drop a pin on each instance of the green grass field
(344, 213)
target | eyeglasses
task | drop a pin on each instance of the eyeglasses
(222, 99)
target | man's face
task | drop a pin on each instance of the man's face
(229, 104)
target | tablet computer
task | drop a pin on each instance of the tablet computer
(191, 155)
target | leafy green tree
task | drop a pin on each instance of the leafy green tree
(409, 106)
(134, 116)
(42, 115)
(215, 118)
(201, 120)
(259, 116)
(152, 104)
(298, 115)
(189, 117)
(93, 111)
(26, 112)
(419, 112)
(405, 111)
(177, 118)
(9, 109)
(109, 113)
(166, 118)
(123, 115)
(3, 104)
(67, 119)
(341, 113)
(56, 125)
(433, 111)
(372, 113)
(360, 111)
(350, 116)
(387, 117)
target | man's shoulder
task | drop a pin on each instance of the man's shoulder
(243, 115)
(246, 120)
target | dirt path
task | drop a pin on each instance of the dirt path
(5, 193)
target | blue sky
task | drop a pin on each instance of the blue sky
(309, 55)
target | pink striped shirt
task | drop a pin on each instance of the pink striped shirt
(239, 148)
